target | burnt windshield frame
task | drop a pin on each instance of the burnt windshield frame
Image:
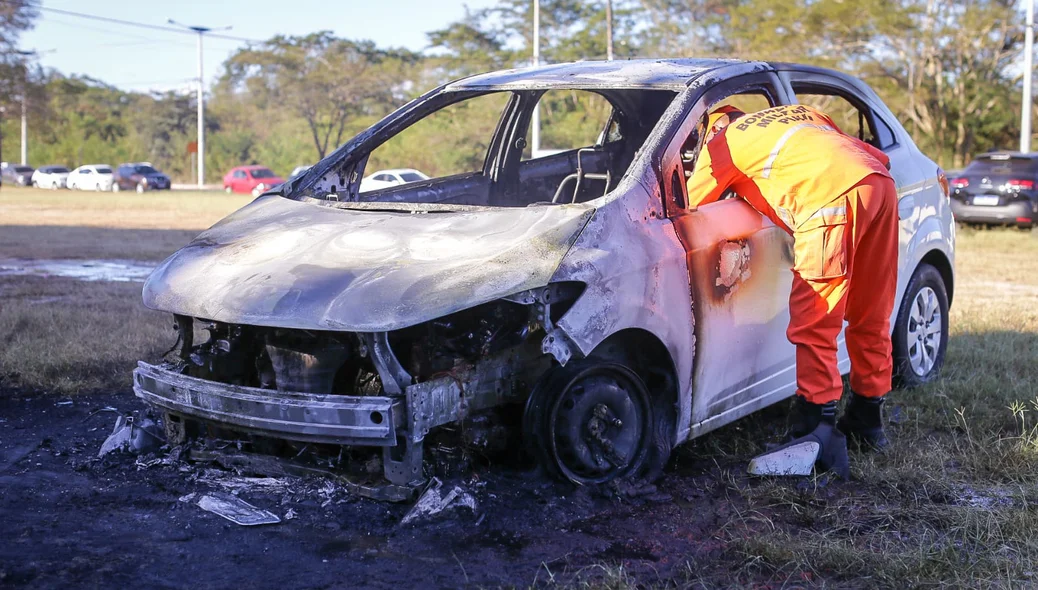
(349, 161)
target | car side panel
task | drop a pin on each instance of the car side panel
(633, 266)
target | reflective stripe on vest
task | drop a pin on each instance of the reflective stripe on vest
(766, 171)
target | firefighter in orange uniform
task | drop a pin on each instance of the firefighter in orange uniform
(833, 193)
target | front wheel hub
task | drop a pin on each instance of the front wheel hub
(592, 423)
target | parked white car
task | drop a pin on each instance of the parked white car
(387, 178)
(52, 177)
(92, 177)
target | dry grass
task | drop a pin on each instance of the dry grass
(952, 504)
(159, 210)
(66, 336)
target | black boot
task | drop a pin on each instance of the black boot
(817, 443)
(807, 416)
(862, 422)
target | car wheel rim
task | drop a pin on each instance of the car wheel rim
(925, 325)
(597, 427)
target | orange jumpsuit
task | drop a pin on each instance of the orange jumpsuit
(833, 194)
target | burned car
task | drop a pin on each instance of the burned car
(575, 292)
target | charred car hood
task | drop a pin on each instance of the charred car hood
(292, 264)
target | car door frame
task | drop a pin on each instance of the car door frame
(748, 386)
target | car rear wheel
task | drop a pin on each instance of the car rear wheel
(227, 189)
(54, 186)
(97, 187)
(920, 338)
(591, 422)
(140, 188)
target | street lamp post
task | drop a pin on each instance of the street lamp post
(1025, 108)
(535, 132)
(201, 97)
(25, 110)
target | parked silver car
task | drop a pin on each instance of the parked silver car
(579, 283)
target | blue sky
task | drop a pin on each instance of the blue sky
(142, 59)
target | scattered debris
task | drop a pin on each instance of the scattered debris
(236, 484)
(132, 437)
(290, 514)
(236, 510)
(64, 403)
(431, 503)
(187, 497)
(275, 467)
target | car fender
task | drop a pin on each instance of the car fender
(636, 277)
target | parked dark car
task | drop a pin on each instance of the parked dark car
(997, 188)
(16, 174)
(139, 176)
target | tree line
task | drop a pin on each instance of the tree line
(949, 69)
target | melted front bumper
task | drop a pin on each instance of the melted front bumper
(330, 419)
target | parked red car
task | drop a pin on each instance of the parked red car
(250, 179)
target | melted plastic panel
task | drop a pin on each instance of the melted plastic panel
(634, 268)
(284, 263)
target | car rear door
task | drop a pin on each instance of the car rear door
(739, 274)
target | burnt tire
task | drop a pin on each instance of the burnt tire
(592, 422)
(920, 338)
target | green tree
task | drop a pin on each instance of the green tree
(323, 79)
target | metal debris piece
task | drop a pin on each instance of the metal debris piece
(797, 459)
(431, 503)
(132, 436)
(271, 466)
(236, 510)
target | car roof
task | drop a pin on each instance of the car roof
(671, 74)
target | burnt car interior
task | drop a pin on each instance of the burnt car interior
(509, 175)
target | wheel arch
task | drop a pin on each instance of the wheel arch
(940, 261)
(647, 355)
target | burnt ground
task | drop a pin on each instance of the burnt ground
(72, 520)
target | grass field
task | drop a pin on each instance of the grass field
(952, 504)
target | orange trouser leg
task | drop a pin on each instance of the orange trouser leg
(816, 309)
(860, 288)
(872, 207)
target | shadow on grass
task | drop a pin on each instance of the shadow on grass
(60, 241)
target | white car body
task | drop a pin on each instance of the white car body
(387, 178)
(92, 177)
(44, 177)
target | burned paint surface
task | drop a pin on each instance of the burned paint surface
(634, 268)
(739, 264)
(290, 264)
